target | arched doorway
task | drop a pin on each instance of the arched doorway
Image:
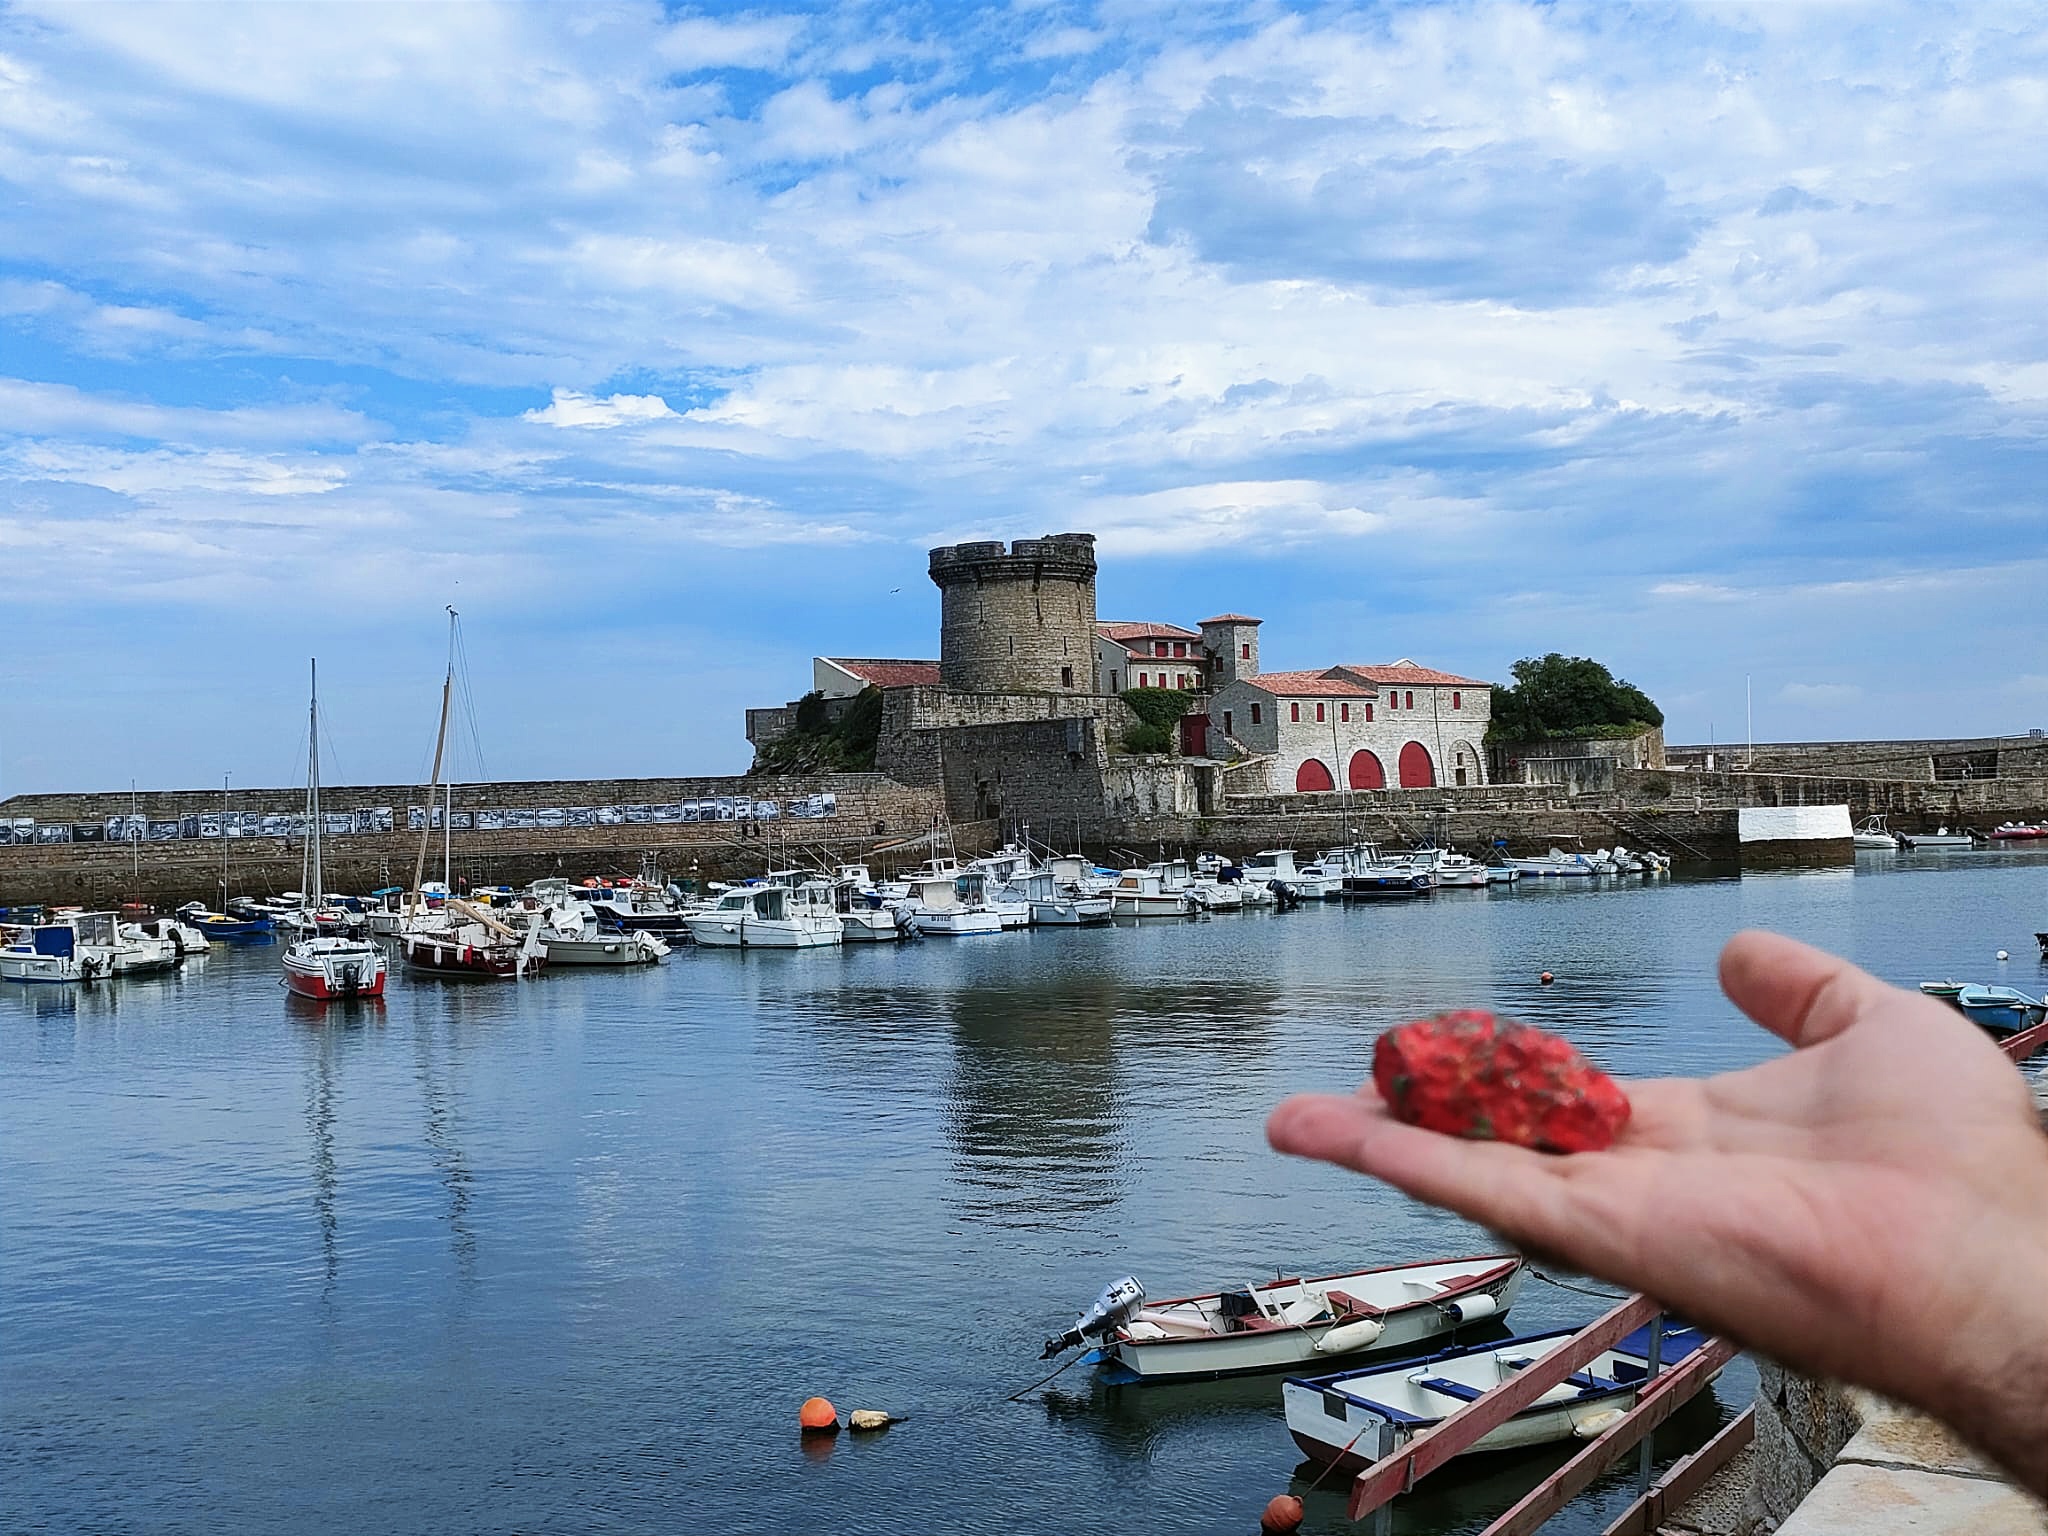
(1366, 771)
(1312, 776)
(1466, 766)
(1417, 771)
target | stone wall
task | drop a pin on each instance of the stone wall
(1969, 757)
(1019, 619)
(1583, 765)
(871, 809)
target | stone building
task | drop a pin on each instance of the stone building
(1365, 726)
(1148, 654)
(1017, 620)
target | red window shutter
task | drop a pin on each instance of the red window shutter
(1457, 701)
(1319, 713)
(1296, 708)
(1344, 712)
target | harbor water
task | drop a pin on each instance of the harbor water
(566, 1255)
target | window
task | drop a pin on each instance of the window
(1245, 651)
(1457, 701)
(1319, 714)
(1112, 680)
(1180, 680)
(1344, 712)
(1393, 701)
(1255, 714)
(1409, 702)
(1368, 714)
(1180, 647)
(1226, 722)
(1158, 647)
(1066, 677)
(1296, 708)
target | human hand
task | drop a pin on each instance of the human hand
(1872, 1206)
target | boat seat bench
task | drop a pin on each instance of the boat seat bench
(1450, 1388)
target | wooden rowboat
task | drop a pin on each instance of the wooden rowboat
(1353, 1418)
(1291, 1322)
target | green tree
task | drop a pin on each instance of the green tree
(1159, 711)
(1557, 695)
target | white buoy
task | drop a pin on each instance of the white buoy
(2003, 955)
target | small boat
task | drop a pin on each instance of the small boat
(1502, 874)
(1290, 1322)
(464, 939)
(1459, 871)
(635, 906)
(1556, 864)
(1945, 990)
(2042, 940)
(220, 925)
(569, 930)
(1350, 1419)
(1278, 864)
(939, 906)
(137, 953)
(1941, 839)
(78, 949)
(2002, 1010)
(1873, 833)
(1389, 878)
(767, 917)
(2018, 831)
(863, 918)
(326, 966)
(1143, 893)
(333, 969)
(1054, 905)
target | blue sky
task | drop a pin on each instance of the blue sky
(1707, 341)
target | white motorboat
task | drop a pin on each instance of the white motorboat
(79, 947)
(570, 933)
(188, 939)
(1054, 905)
(863, 917)
(978, 889)
(1502, 874)
(940, 908)
(1942, 839)
(1873, 833)
(1290, 1322)
(1353, 1418)
(137, 953)
(1556, 864)
(767, 917)
(1216, 895)
(1143, 893)
(1459, 871)
(1278, 864)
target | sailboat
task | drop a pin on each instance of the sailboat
(460, 938)
(316, 966)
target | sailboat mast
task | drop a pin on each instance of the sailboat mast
(318, 889)
(419, 868)
(224, 840)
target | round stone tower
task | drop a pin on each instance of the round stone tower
(1017, 620)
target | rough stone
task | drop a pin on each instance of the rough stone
(1819, 1416)
(1018, 619)
(1859, 1500)
(1784, 1472)
(1893, 1436)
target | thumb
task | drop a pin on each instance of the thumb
(1800, 994)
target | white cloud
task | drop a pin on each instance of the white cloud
(699, 42)
(570, 409)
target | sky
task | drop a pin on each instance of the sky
(1711, 342)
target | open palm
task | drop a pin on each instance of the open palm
(1872, 1206)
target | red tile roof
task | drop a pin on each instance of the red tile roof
(1305, 685)
(1406, 672)
(889, 673)
(1124, 631)
(1233, 618)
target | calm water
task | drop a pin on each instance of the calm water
(566, 1255)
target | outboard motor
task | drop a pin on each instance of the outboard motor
(1118, 1301)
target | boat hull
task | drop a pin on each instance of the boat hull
(877, 927)
(335, 975)
(1405, 1330)
(1343, 1443)
(612, 949)
(1171, 904)
(956, 925)
(1081, 913)
(733, 931)
(480, 962)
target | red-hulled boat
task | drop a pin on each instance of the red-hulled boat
(2015, 831)
(334, 968)
(465, 940)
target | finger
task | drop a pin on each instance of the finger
(1800, 994)
(1511, 1189)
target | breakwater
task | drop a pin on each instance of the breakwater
(171, 845)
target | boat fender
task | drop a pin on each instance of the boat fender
(1470, 1309)
(1358, 1335)
(1591, 1426)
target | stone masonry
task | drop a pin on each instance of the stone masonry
(1017, 620)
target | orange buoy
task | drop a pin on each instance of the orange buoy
(1546, 978)
(1283, 1514)
(818, 1416)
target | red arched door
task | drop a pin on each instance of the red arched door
(1366, 772)
(1417, 771)
(1312, 775)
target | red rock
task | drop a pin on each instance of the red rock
(1473, 1075)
